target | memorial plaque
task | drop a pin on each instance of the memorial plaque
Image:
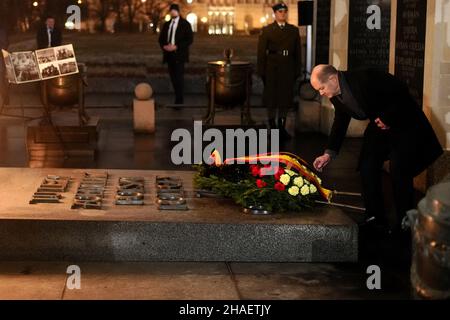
(369, 34)
(410, 45)
(323, 31)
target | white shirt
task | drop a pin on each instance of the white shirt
(49, 37)
(281, 25)
(173, 25)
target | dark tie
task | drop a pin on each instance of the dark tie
(282, 26)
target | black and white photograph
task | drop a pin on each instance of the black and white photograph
(25, 66)
(64, 52)
(68, 67)
(45, 55)
(49, 71)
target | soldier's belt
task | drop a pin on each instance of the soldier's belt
(280, 52)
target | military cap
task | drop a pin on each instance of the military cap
(279, 6)
(174, 6)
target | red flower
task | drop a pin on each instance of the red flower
(255, 170)
(279, 186)
(260, 183)
(278, 172)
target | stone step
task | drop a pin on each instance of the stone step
(213, 229)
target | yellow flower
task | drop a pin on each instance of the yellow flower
(304, 190)
(290, 172)
(284, 179)
(312, 188)
(298, 181)
(318, 179)
(293, 191)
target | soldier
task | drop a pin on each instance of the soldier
(279, 65)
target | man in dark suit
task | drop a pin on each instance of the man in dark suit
(398, 131)
(48, 34)
(175, 38)
(279, 65)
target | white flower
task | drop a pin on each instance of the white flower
(313, 188)
(284, 179)
(298, 181)
(293, 191)
(304, 190)
(290, 172)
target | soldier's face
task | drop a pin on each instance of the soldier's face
(281, 15)
(329, 88)
(174, 13)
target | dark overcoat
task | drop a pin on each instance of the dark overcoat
(183, 39)
(381, 95)
(278, 71)
(42, 37)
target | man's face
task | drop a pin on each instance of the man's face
(174, 13)
(329, 88)
(50, 22)
(281, 15)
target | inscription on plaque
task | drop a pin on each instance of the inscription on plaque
(323, 31)
(369, 34)
(91, 191)
(130, 191)
(170, 194)
(410, 45)
(50, 190)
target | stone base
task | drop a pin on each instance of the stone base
(212, 229)
(439, 170)
(50, 146)
(144, 116)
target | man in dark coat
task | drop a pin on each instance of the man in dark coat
(48, 35)
(398, 131)
(175, 38)
(279, 65)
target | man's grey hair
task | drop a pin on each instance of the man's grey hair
(325, 72)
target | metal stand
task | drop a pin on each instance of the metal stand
(245, 107)
(5, 103)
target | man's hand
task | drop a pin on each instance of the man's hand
(380, 124)
(170, 47)
(321, 162)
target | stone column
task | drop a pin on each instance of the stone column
(436, 98)
(338, 58)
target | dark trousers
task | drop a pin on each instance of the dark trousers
(379, 147)
(176, 72)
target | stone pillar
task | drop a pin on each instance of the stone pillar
(436, 95)
(144, 109)
(338, 58)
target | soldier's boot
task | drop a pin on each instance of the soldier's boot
(284, 135)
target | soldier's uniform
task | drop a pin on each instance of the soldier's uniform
(279, 65)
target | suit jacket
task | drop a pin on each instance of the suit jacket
(381, 95)
(279, 72)
(42, 37)
(183, 39)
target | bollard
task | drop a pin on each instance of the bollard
(143, 109)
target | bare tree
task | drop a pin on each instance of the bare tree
(132, 7)
(100, 9)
